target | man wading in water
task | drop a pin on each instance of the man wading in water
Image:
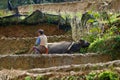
(41, 43)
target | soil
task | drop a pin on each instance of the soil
(12, 42)
(61, 71)
(73, 7)
(20, 38)
(29, 30)
(23, 31)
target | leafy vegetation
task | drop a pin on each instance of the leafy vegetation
(100, 25)
(28, 78)
(41, 78)
(91, 76)
(98, 29)
(108, 75)
(101, 75)
(83, 50)
(104, 75)
(108, 45)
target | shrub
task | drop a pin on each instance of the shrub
(28, 78)
(72, 78)
(108, 75)
(94, 33)
(110, 45)
(41, 78)
(83, 50)
(105, 75)
(91, 76)
(112, 32)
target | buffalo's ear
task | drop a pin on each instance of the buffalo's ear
(81, 41)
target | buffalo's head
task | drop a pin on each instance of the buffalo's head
(77, 45)
(83, 43)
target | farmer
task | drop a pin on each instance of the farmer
(41, 43)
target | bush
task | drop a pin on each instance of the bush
(94, 34)
(112, 32)
(108, 75)
(110, 45)
(105, 75)
(28, 78)
(91, 76)
(41, 78)
(83, 50)
(72, 78)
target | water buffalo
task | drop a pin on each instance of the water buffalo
(66, 47)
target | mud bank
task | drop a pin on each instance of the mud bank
(77, 6)
(59, 71)
(29, 30)
(13, 45)
(30, 61)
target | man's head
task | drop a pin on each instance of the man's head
(41, 31)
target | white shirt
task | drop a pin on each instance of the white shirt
(43, 40)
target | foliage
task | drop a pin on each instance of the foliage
(87, 17)
(28, 78)
(94, 33)
(41, 78)
(91, 76)
(72, 78)
(8, 20)
(35, 17)
(112, 32)
(110, 45)
(108, 75)
(97, 26)
(83, 50)
(114, 17)
(54, 19)
(104, 24)
(104, 75)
